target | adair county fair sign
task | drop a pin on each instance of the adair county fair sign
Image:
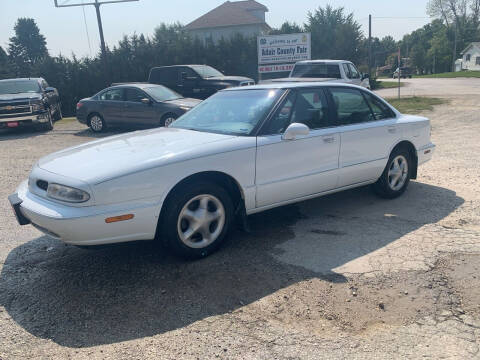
(283, 49)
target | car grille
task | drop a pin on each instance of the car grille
(15, 108)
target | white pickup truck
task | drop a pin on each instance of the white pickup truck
(326, 70)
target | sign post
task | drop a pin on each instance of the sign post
(279, 53)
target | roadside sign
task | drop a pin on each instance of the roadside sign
(264, 69)
(281, 49)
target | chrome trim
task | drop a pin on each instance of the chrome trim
(33, 118)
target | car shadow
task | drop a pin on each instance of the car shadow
(82, 298)
(21, 133)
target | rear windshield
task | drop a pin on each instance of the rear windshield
(161, 93)
(320, 70)
(19, 86)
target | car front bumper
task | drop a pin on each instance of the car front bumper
(86, 225)
(15, 121)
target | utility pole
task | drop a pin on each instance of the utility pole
(454, 47)
(100, 30)
(399, 71)
(96, 4)
(370, 45)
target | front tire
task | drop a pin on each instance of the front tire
(58, 114)
(196, 220)
(396, 176)
(168, 119)
(49, 124)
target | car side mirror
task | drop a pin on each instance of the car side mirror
(49, 89)
(365, 76)
(146, 101)
(294, 130)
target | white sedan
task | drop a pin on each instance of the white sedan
(242, 151)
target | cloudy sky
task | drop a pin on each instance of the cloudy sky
(66, 32)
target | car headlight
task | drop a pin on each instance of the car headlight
(37, 106)
(67, 193)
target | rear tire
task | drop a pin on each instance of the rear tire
(96, 123)
(396, 176)
(196, 220)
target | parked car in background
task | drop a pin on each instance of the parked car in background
(28, 101)
(405, 72)
(339, 71)
(196, 81)
(236, 153)
(133, 105)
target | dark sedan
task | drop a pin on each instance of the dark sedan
(133, 105)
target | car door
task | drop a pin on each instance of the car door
(293, 169)
(355, 75)
(111, 105)
(188, 82)
(368, 131)
(136, 113)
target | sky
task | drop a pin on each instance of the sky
(66, 33)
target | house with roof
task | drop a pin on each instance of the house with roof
(471, 57)
(232, 17)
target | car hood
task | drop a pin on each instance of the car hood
(21, 96)
(120, 155)
(187, 102)
(230, 78)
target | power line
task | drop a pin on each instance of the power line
(86, 29)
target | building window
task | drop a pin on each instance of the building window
(467, 58)
(477, 60)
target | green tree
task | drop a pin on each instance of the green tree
(6, 70)
(28, 47)
(335, 35)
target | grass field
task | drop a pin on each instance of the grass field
(382, 84)
(415, 104)
(460, 74)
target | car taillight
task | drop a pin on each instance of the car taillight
(79, 105)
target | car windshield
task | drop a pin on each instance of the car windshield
(230, 112)
(161, 93)
(320, 70)
(206, 71)
(19, 86)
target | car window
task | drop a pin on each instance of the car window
(134, 95)
(230, 112)
(280, 121)
(347, 71)
(113, 94)
(311, 109)
(316, 70)
(353, 71)
(351, 107)
(44, 84)
(380, 110)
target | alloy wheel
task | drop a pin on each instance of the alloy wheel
(96, 123)
(398, 172)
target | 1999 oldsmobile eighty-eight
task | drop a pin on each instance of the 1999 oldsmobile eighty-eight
(242, 151)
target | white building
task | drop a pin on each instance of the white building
(232, 17)
(471, 57)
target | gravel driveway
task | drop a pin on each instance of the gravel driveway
(347, 275)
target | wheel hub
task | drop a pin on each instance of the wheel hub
(201, 221)
(398, 172)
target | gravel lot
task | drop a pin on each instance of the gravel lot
(347, 275)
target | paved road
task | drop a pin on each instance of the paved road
(435, 87)
(348, 275)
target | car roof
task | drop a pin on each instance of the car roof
(22, 79)
(173, 66)
(135, 85)
(327, 61)
(292, 85)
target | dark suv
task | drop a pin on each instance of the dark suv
(195, 81)
(28, 101)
